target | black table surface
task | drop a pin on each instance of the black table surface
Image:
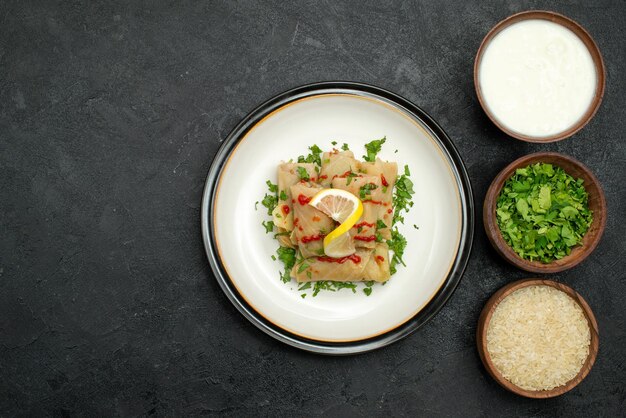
(111, 114)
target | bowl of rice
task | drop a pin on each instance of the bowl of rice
(537, 338)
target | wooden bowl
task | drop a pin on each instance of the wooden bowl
(483, 325)
(584, 37)
(597, 204)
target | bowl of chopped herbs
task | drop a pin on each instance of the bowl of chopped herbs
(545, 212)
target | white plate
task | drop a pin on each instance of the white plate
(240, 251)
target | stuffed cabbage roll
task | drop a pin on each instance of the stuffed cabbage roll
(369, 190)
(364, 265)
(310, 225)
(288, 175)
(388, 172)
(337, 164)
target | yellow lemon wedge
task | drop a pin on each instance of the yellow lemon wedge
(345, 208)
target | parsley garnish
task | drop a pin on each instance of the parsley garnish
(334, 143)
(283, 195)
(288, 257)
(402, 199)
(256, 204)
(302, 173)
(366, 190)
(332, 286)
(269, 226)
(373, 148)
(270, 202)
(543, 212)
(397, 244)
(303, 267)
(313, 157)
(380, 224)
(345, 147)
(349, 178)
(273, 188)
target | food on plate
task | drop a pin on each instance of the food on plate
(335, 218)
(543, 212)
(538, 338)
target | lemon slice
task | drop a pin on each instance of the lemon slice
(343, 207)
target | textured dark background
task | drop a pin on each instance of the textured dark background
(110, 115)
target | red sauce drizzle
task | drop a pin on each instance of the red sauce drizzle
(362, 224)
(285, 209)
(312, 238)
(353, 257)
(303, 200)
(366, 239)
(373, 202)
(295, 221)
(316, 218)
(380, 259)
(383, 181)
(389, 210)
(323, 177)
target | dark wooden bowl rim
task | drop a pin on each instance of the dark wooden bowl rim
(483, 324)
(584, 36)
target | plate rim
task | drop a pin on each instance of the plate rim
(459, 172)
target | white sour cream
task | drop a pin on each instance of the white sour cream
(537, 78)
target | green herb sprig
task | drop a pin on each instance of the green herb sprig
(373, 148)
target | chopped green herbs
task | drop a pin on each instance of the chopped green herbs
(373, 148)
(269, 226)
(288, 257)
(334, 143)
(283, 195)
(303, 267)
(270, 202)
(273, 188)
(543, 212)
(397, 244)
(402, 199)
(345, 147)
(349, 178)
(332, 286)
(305, 286)
(380, 224)
(256, 204)
(302, 173)
(366, 190)
(313, 157)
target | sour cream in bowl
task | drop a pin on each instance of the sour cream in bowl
(539, 76)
